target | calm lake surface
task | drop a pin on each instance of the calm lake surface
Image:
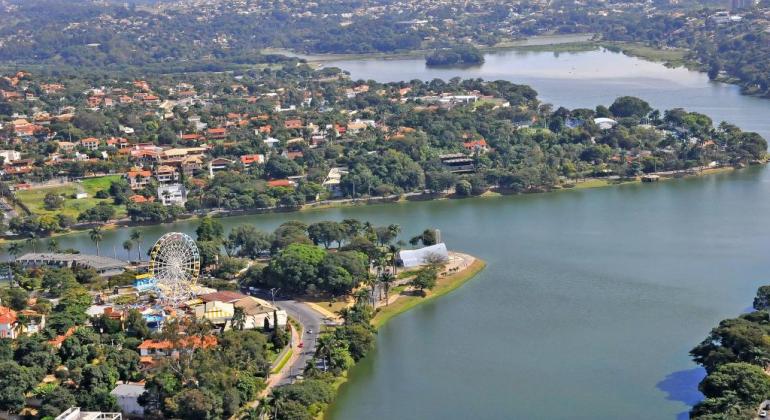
(591, 299)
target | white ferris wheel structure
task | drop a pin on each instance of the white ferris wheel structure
(175, 264)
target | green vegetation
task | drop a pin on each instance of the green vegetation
(455, 55)
(736, 355)
(34, 199)
(443, 286)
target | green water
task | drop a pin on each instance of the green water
(591, 299)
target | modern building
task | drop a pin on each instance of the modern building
(172, 194)
(416, 257)
(258, 310)
(105, 266)
(74, 413)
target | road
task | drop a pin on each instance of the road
(310, 320)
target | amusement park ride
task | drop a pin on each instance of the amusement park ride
(173, 271)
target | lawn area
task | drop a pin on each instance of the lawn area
(444, 285)
(33, 198)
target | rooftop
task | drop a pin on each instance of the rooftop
(96, 262)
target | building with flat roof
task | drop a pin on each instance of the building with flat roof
(105, 266)
(74, 413)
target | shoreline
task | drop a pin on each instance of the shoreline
(583, 184)
(406, 302)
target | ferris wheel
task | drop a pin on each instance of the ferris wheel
(175, 264)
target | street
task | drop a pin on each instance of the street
(310, 321)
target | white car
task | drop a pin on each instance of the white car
(763, 414)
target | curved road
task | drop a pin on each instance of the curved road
(310, 321)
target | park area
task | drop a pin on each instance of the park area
(33, 198)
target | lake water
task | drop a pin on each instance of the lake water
(591, 299)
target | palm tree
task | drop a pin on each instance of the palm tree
(325, 347)
(53, 245)
(15, 249)
(387, 280)
(128, 245)
(239, 319)
(394, 230)
(96, 235)
(362, 296)
(136, 236)
(32, 243)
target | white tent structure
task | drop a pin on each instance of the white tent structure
(416, 257)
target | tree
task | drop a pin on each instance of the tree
(127, 246)
(731, 386)
(55, 402)
(96, 234)
(326, 233)
(762, 300)
(52, 201)
(424, 280)
(239, 318)
(15, 249)
(137, 237)
(295, 268)
(209, 229)
(630, 107)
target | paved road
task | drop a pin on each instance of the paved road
(311, 321)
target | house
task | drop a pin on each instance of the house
(333, 179)
(140, 199)
(476, 146)
(90, 143)
(8, 322)
(216, 133)
(127, 397)
(293, 124)
(222, 296)
(138, 178)
(251, 160)
(193, 137)
(217, 312)
(166, 348)
(257, 311)
(219, 164)
(172, 194)
(191, 164)
(10, 155)
(281, 183)
(57, 341)
(165, 174)
(118, 142)
(458, 163)
(605, 123)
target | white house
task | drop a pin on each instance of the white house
(127, 396)
(170, 194)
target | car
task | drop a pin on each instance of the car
(300, 345)
(310, 331)
(763, 414)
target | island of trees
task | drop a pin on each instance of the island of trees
(456, 55)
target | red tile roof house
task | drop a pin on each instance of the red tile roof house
(138, 178)
(250, 160)
(286, 183)
(165, 348)
(293, 124)
(216, 133)
(480, 145)
(8, 322)
(90, 143)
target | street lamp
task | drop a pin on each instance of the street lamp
(273, 292)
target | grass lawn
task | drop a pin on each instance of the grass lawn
(33, 198)
(674, 57)
(444, 285)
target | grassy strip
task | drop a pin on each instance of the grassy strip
(672, 57)
(283, 362)
(444, 286)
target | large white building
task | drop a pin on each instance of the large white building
(169, 194)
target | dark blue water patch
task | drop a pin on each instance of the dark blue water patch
(682, 386)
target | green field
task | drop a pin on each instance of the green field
(33, 198)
